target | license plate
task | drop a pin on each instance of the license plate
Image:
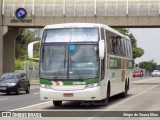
(2, 88)
(68, 94)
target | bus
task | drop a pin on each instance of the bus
(83, 62)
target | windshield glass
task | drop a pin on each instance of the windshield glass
(9, 76)
(70, 35)
(83, 62)
(53, 64)
(73, 61)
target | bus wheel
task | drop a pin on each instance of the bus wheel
(57, 103)
(125, 93)
(106, 100)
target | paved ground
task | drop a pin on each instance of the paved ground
(144, 96)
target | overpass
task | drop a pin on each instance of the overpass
(38, 13)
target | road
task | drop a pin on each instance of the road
(143, 96)
(12, 101)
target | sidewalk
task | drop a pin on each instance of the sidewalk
(149, 80)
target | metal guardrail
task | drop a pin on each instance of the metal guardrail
(83, 8)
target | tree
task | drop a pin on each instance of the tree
(148, 65)
(25, 37)
(137, 52)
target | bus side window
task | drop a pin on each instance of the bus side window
(108, 42)
(119, 46)
(102, 34)
(129, 48)
(111, 44)
(124, 47)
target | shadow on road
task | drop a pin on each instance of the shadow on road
(73, 105)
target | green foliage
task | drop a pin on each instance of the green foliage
(19, 64)
(137, 52)
(148, 65)
(25, 37)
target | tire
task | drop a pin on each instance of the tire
(57, 103)
(106, 100)
(28, 89)
(7, 93)
(125, 93)
(18, 91)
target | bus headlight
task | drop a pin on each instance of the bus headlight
(92, 85)
(46, 86)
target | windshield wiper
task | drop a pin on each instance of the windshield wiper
(58, 71)
(65, 59)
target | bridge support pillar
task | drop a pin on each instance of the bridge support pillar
(9, 49)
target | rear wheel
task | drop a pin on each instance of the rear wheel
(125, 93)
(57, 103)
(8, 93)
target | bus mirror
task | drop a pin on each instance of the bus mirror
(31, 49)
(101, 49)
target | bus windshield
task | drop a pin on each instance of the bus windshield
(69, 61)
(70, 35)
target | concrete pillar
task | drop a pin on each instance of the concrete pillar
(1, 41)
(9, 50)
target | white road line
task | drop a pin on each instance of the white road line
(90, 118)
(126, 100)
(30, 106)
(3, 98)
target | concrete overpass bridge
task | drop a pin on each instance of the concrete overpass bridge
(38, 13)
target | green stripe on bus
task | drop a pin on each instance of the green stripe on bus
(44, 81)
(69, 82)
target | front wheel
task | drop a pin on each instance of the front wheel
(28, 89)
(106, 100)
(57, 103)
(18, 91)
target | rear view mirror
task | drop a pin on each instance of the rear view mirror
(101, 49)
(31, 49)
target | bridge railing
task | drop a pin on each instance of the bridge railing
(83, 7)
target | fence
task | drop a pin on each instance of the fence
(31, 69)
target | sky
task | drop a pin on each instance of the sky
(149, 40)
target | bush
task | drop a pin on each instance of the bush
(19, 64)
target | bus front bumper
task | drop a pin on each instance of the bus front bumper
(89, 94)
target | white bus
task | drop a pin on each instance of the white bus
(83, 62)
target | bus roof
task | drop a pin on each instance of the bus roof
(76, 25)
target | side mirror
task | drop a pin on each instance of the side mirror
(101, 49)
(30, 50)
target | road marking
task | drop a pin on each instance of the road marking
(3, 98)
(36, 93)
(31, 106)
(126, 100)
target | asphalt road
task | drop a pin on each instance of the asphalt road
(12, 101)
(143, 96)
